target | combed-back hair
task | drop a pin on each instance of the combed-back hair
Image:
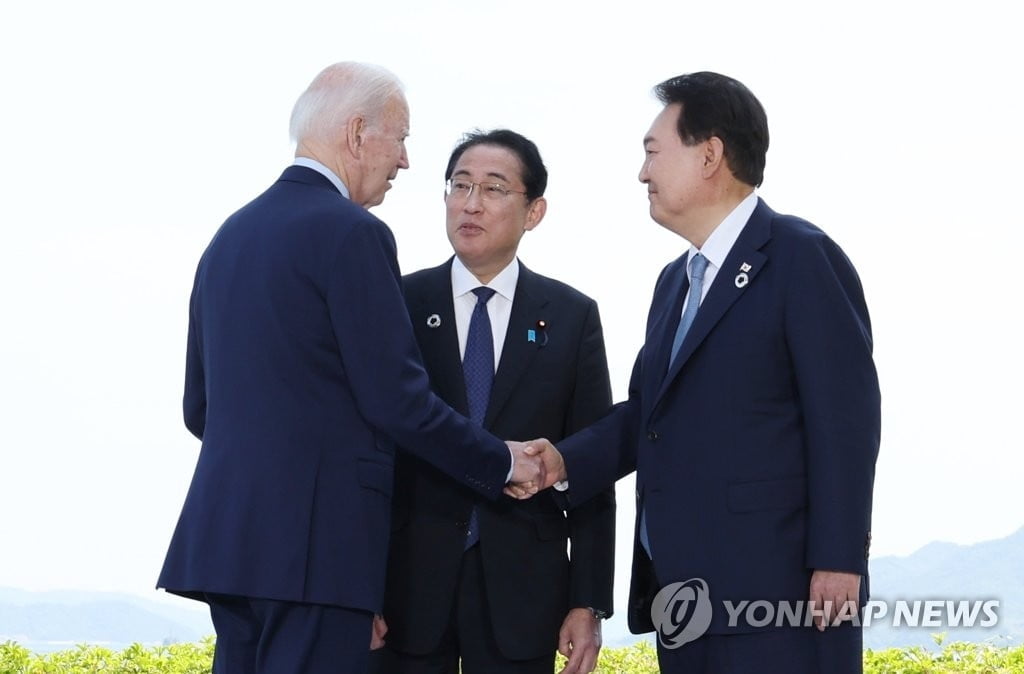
(340, 92)
(716, 105)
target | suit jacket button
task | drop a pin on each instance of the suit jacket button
(652, 435)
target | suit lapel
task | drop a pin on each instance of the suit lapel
(663, 329)
(744, 259)
(518, 351)
(440, 345)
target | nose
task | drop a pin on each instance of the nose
(643, 177)
(403, 159)
(474, 201)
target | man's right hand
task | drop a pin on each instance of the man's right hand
(528, 471)
(551, 467)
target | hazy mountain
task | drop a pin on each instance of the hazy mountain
(938, 571)
(991, 570)
(47, 621)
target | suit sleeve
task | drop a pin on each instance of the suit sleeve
(601, 453)
(829, 337)
(384, 368)
(194, 400)
(592, 523)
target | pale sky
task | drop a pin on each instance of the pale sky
(131, 130)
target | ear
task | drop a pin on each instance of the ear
(714, 156)
(355, 131)
(535, 213)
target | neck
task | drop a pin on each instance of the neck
(485, 273)
(322, 154)
(706, 219)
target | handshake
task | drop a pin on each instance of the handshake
(536, 465)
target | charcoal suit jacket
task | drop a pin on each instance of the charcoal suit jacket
(548, 385)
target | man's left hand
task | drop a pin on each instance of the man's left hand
(380, 628)
(836, 595)
(580, 641)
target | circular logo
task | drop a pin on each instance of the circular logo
(681, 612)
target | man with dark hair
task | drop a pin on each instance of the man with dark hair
(491, 583)
(301, 376)
(753, 416)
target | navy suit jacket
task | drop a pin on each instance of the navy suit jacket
(755, 452)
(549, 387)
(302, 374)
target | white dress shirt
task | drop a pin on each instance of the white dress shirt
(719, 244)
(324, 171)
(499, 308)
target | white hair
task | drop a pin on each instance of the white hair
(340, 92)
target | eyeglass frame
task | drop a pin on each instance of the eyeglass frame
(502, 190)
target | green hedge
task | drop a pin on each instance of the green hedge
(85, 659)
(958, 658)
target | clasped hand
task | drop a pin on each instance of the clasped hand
(538, 465)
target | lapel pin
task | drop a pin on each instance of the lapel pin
(531, 335)
(433, 321)
(542, 326)
(742, 279)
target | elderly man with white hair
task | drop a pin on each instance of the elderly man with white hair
(302, 377)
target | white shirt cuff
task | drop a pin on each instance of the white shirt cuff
(512, 466)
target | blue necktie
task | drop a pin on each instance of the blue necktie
(697, 268)
(478, 371)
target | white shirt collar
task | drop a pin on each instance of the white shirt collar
(324, 171)
(723, 237)
(504, 283)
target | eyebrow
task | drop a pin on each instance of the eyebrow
(491, 174)
(648, 139)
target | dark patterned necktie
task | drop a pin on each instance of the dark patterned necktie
(478, 371)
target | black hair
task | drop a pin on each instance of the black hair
(535, 174)
(716, 105)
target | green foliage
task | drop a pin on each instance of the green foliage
(956, 657)
(641, 658)
(85, 659)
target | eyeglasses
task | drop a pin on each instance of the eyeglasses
(462, 189)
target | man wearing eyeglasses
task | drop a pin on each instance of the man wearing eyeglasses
(490, 584)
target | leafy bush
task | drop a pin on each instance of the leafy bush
(641, 658)
(84, 659)
(957, 657)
